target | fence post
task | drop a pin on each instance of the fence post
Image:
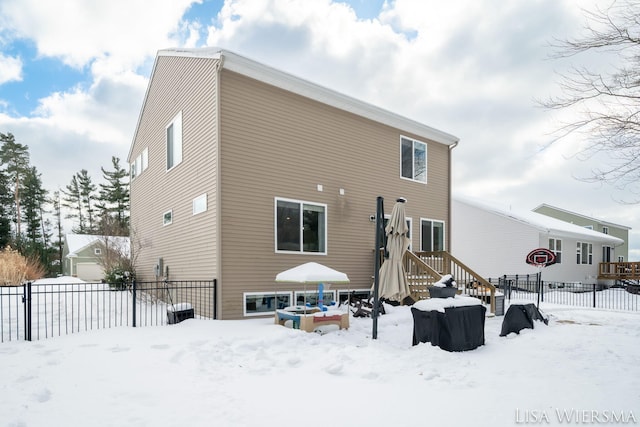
(26, 299)
(541, 286)
(133, 287)
(215, 299)
(594, 295)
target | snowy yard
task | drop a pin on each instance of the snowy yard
(585, 363)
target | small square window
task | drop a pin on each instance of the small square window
(97, 251)
(167, 218)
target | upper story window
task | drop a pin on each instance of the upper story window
(555, 246)
(140, 164)
(413, 159)
(300, 226)
(584, 253)
(605, 230)
(97, 251)
(174, 141)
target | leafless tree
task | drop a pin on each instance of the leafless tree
(606, 103)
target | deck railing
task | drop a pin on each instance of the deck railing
(468, 281)
(619, 271)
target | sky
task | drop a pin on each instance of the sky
(580, 368)
(73, 75)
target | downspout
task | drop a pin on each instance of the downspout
(218, 228)
(451, 147)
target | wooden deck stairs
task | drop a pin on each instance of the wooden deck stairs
(423, 269)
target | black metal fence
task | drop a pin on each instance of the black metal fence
(37, 311)
(529, 287)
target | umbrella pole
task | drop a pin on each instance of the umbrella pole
(376, 274)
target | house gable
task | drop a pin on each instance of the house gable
(247, 143)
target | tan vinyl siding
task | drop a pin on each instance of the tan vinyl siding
(277, 144)
(188, 246)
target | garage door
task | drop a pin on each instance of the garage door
(89, 272)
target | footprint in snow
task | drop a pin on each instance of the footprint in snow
(43, 395)
(335, 369)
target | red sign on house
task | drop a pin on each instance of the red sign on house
(541, 257)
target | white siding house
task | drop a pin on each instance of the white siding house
(496, 242)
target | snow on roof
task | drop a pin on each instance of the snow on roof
(590, 218)
(78, 242)
(545, 224)
(291, 83)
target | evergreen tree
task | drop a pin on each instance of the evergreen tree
(33, 199)
(114, 200)
(88, 198)
(56, 203)
(5, 211)
(15, 159)
(73, 201)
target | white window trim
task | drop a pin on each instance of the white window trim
(164, 215)
(177, 141)
(197, 203)
(275, 226)
(314, 291)
(426, 155)
(97, 251)
(589, 254)
(555, 248)
(262, 313)
(444, 232)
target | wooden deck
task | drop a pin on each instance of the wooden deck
(619, 271)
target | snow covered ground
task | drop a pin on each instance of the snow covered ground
(581, 368)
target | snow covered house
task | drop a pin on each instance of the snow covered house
(496, 241)
(606, 227)
(240, 171)
(83, 254)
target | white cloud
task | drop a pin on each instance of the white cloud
(10, 69)
(78, 31)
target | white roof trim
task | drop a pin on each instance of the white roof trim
(545, 224)
(599, 221)
(291, 83)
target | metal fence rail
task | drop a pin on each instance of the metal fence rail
(529, 287)
(37, 311)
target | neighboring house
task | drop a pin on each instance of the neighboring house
(617, 230)
(495, 241)
(240, 171)
(83, 254)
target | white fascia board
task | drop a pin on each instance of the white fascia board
(263, 73)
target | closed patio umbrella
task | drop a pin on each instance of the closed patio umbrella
(393, 282)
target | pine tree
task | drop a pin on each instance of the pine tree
(33, 199)
(15, 158)
(56, 203)
(88, 198)
(114, 201)
(73, 201)
(5, 211)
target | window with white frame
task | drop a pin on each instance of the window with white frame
(413, 159)
(620, 258)
(605, 230)
(584, 253)
(167, 218)
(259, 303)
(174, 141)
(555, 246)
(97, 251)
(431, 235)
(353, 295)
(300, 226)
(607, 254)
(312, 297)
(140, 164)
(200, 204)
